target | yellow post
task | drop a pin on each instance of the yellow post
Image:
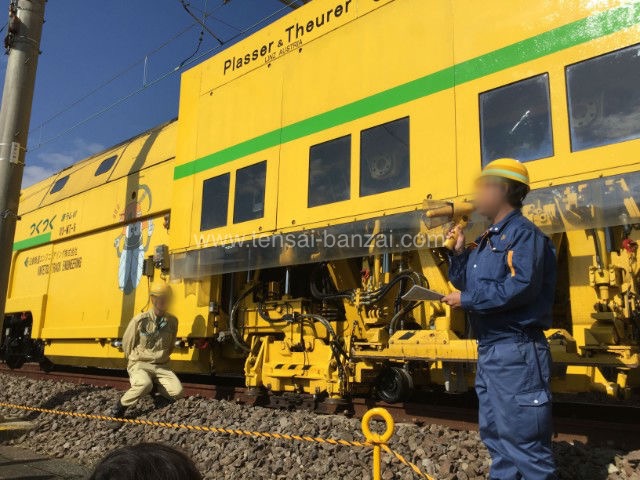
(377, 439)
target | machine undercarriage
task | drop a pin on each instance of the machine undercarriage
(318, 325)
(340, 327)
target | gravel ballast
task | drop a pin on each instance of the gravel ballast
(444, 453)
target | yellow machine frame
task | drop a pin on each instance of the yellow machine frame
(336, 70)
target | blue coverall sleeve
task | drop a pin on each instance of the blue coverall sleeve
(458, 270)
(522, 284)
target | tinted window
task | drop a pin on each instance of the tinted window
(604, 99)
(105, 165)
(249, 201)
(330, 172)
(215, 202)
(384, 157)
(59, 185)
(515, 121)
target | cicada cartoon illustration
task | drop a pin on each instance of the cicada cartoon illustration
(134, 240)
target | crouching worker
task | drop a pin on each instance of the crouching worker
(147, 343)
(507, 282)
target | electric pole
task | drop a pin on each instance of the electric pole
(24, 30)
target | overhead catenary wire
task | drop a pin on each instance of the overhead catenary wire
(154, 82)
(125, 70)
(218, 19)
(185, 5)
(110, 80)
(200, 38)
(204, 13)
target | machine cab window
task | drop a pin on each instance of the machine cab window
(515, 121)
(249, 197)
(105, 166)
(604, 99)
(384, 157)
(215, 202)
(59, 185)
(330, 172)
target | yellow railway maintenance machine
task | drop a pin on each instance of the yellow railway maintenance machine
(287, 203)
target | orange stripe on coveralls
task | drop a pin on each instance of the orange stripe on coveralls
(510, 263)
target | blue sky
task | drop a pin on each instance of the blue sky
(88, 42)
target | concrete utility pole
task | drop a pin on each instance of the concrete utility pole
(23, 47)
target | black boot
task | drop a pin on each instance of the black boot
(118, 411)
(160, 401)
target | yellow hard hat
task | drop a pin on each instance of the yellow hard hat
(160, 289)
(507, 168)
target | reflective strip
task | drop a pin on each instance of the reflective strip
(499, 172)
(510, 263)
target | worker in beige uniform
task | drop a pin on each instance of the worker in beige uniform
(147, 343)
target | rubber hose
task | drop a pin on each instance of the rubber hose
(232, 321)
(325, 296)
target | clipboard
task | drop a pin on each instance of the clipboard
(418, 293)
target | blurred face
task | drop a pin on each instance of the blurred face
(160, 303)
(490, 196)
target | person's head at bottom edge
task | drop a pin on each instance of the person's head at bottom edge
(153, 461)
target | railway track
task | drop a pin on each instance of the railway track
(595, 424)
(194, 384)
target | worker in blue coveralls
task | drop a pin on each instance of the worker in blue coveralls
(507, 280)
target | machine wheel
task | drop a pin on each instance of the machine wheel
(15, 361)
(393, 385)
(46, 365)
